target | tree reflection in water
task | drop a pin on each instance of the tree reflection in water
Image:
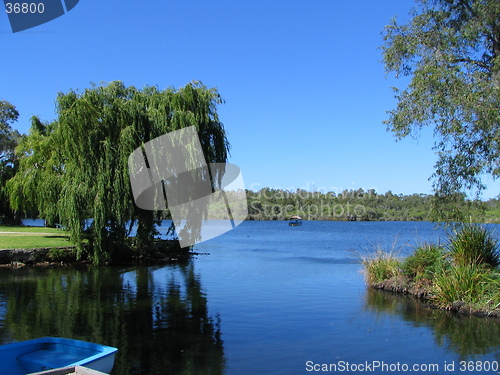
(157, 317)
(464, 335)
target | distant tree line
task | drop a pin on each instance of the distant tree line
(361, 205)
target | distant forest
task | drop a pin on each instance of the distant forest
(360, 205)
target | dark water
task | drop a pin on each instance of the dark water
(269, 299)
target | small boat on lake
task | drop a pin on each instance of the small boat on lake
(48, 353)
(295, 221)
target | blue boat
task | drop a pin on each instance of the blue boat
(46, 353)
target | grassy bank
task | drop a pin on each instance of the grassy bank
(41, 238)
(12, 237)
(463, 275)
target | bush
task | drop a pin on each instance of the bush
(381, 266)
(424, 263)
(55, 254)
(474, 244)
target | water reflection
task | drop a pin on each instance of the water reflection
(157, 317)
(467, 336)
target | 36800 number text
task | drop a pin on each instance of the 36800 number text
(24, 8)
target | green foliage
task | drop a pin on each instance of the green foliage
(9, 139)
(380, 266)
(474, 244)
(450, 50)
(57, 254)
(281, 204)
(77, 167)
(455, 207)
(470, 284)
(425, 262)
(491, 298)
(36, 186)
(465, 276)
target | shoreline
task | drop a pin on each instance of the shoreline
(166, 251)
(401, 285)
(462, 276)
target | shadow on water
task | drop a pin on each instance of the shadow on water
(467, 336)
(157, 317)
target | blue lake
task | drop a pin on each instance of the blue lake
(264, 298)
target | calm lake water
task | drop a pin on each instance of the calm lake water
(267, 299)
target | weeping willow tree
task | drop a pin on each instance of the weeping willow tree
(75, 168)
(35, 186)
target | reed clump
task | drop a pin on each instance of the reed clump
(380, 266)
(463, 275)
(474, 244)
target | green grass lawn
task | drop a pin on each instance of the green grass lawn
(8, 228)
(32, 237)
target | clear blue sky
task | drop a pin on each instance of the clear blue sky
(305, 90)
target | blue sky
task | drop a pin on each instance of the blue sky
(304, 87)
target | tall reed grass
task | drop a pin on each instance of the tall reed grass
(474, 244)
(465, 272)
(461, 283)
(380, 266)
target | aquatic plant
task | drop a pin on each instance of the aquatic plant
(474, 244)
(381, 265)
(425, 262)
(462, 276)
(471, 284)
